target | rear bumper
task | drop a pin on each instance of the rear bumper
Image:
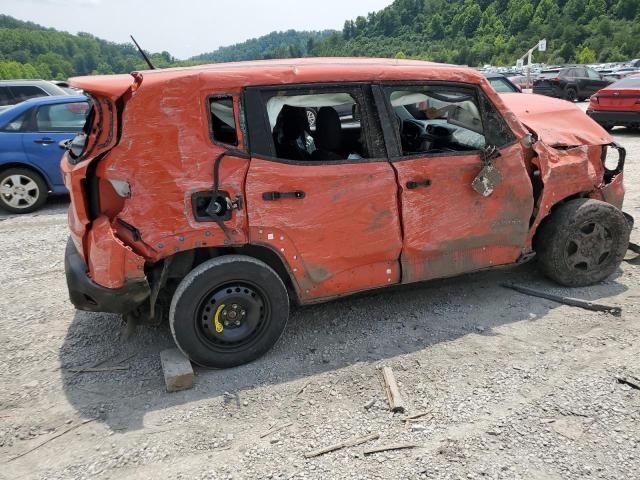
(614, 119)
(87, 295)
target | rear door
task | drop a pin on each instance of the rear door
(50, 125)
(438, 136)
(596, 82)
(324, 199)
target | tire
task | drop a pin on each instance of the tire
(229, 311)
(582, 243)
(570, 94)
(22, 190)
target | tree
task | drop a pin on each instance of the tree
(586, 55)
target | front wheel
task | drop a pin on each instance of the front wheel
(582, 243)
(229, 311)
(22, 190)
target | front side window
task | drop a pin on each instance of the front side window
(317, 126)
(437, 119)
(64, 117)
(501, 85)
(223, 120)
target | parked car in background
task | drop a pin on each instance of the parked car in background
(30, 150)
(569, 83)
(617, 105)
(501, 83)
(200, 199)
(13, 92)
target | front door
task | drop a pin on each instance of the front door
(450, 227)
(323, 197)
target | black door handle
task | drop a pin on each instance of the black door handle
(412, 185)
(44, 141)
(272, 196)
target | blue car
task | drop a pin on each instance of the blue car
(31, 133)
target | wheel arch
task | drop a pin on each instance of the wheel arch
(552, 211)
(181, 263)
(27, 166)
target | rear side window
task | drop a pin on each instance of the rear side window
(223, 120)
(66, 117)
(593, 75)
(18, 124)
(25, 92)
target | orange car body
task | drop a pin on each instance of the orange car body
(359, 225)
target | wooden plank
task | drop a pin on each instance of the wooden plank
(393, 392)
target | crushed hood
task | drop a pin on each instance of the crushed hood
(556, 122)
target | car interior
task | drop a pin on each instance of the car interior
(331, 137)
(437, 121)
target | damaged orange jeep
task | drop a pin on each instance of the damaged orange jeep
(216, 196)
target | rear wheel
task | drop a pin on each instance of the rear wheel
(22, 190)
(229, 311)
(570, 94)
(582, 243)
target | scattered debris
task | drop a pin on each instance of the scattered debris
(303, 389)
(393, 392)
(349, 443)
(276, 429)
(399, 446)
(178, 373)
(632, 382)
(416, 416)
(369, 404)
(58, 435)
(418, 428)
(574, 302)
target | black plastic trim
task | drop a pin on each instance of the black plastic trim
(87, 295)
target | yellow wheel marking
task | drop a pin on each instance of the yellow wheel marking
(216, 319)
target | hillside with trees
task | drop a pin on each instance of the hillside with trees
(289, 44)
(468, 32)
(28, 50)
(476, 32)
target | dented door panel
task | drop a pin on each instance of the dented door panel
(342, 236)
(449, 228)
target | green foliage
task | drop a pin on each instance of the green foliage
(477, 32)
(289, 44)
(28, 50)
(471, 32)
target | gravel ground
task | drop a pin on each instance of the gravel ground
(516, 387)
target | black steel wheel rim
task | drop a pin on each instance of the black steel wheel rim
(589, 247)
(233, 316)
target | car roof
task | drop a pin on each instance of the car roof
(284, 71)
(49, 87)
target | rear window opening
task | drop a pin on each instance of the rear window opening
(223, 123)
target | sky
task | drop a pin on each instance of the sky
(187, 27)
